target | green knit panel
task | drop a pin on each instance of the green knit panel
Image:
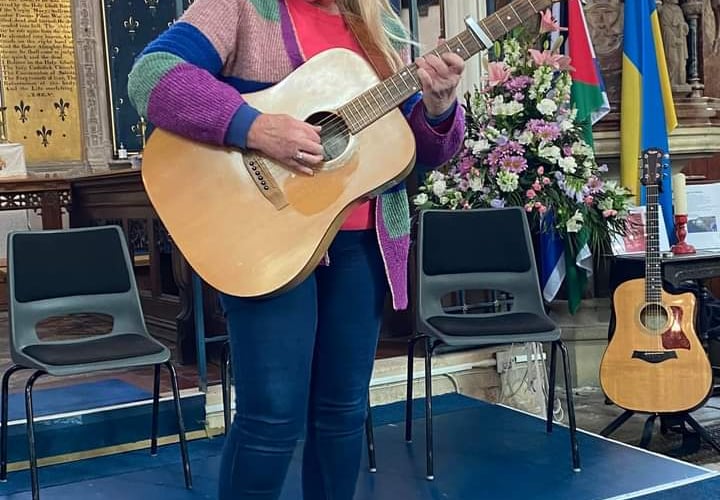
(268, 9)
(146, 74)
(396, 213)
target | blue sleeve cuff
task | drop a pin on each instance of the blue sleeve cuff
(434, 121)
(237, 132)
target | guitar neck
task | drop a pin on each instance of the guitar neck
(653, 267)
(374, 103)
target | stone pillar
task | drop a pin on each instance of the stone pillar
(693, 10)
(92, 83)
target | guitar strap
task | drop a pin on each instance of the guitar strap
(370, 47)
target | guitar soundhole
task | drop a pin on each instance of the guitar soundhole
(334, 135)
(654, 317)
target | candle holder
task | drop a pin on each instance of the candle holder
(681, 247)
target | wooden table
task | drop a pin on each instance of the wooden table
(46, 195)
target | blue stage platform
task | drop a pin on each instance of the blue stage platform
(483, 451)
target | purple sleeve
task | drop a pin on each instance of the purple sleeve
(437, 144)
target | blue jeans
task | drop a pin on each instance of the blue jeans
(302, 362)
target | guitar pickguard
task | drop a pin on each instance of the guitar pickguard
(674, 337)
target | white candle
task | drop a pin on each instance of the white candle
(679, 194)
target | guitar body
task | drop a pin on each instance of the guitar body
(662, 369)
(251, 239)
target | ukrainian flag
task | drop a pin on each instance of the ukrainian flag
(647, 112)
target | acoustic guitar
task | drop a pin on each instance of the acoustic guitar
(654, 362)
(249, 226)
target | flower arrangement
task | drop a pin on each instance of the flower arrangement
(524, 147)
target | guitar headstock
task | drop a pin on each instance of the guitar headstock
(651, 171)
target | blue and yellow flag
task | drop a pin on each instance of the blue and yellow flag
(647, 112)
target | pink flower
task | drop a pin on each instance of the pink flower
(541, 170)
(528, 207)
(609, 213)
(542, 209)
(548, 23)
(499, 72)
(589, 200)
(546, 180)
(547, 58)
(530, 193)
(536, 185)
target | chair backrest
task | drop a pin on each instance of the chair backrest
(480, 249)
(70, 271)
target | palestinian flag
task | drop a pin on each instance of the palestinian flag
(589, 97)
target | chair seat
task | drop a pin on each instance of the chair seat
(505, 324)
(110, 348)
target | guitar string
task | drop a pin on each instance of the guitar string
(338, 124)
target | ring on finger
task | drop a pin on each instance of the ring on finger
(299, 156)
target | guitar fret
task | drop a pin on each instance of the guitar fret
(532, 6)
(462, 46)
(515, 12)
(501, 22)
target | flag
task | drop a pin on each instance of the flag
(647, 112)
(559, 262)
(588, 88)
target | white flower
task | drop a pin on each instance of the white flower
(480, 146)
(436, 176)
(566, 125)
(507, 108)
(476, 183)
(580, 148)
(507, 181)
(551, 153)
(421, 199)
(525, 138)
(547, 107)
(568, 164)
(439, 187)
(574, 224)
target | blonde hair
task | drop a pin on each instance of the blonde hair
(383, 26)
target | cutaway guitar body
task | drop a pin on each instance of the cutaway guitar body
(660, 369)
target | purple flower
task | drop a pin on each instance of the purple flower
(547, 131)
(595, 184)
(514, 163)
(518, 83)
(518, 96)
(501, 152)
(497, 203)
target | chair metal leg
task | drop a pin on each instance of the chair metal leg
(551, 387)
(409, 391)
(429, 445)
(370, 436)
(225, 378)
(4, 420)
(702, 432)
(31, 433)
(181, 424)
(571, 407)
(155, 410)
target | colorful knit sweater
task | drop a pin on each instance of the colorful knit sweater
(190, 79)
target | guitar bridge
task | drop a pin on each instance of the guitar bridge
(264, 181)
(654, 356)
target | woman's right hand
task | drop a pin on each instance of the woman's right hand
(287, 140)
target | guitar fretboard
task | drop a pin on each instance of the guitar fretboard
(374, 103)
(653, 264)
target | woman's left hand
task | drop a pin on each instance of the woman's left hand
(439, 77)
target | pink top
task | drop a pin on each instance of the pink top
(318, 31)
